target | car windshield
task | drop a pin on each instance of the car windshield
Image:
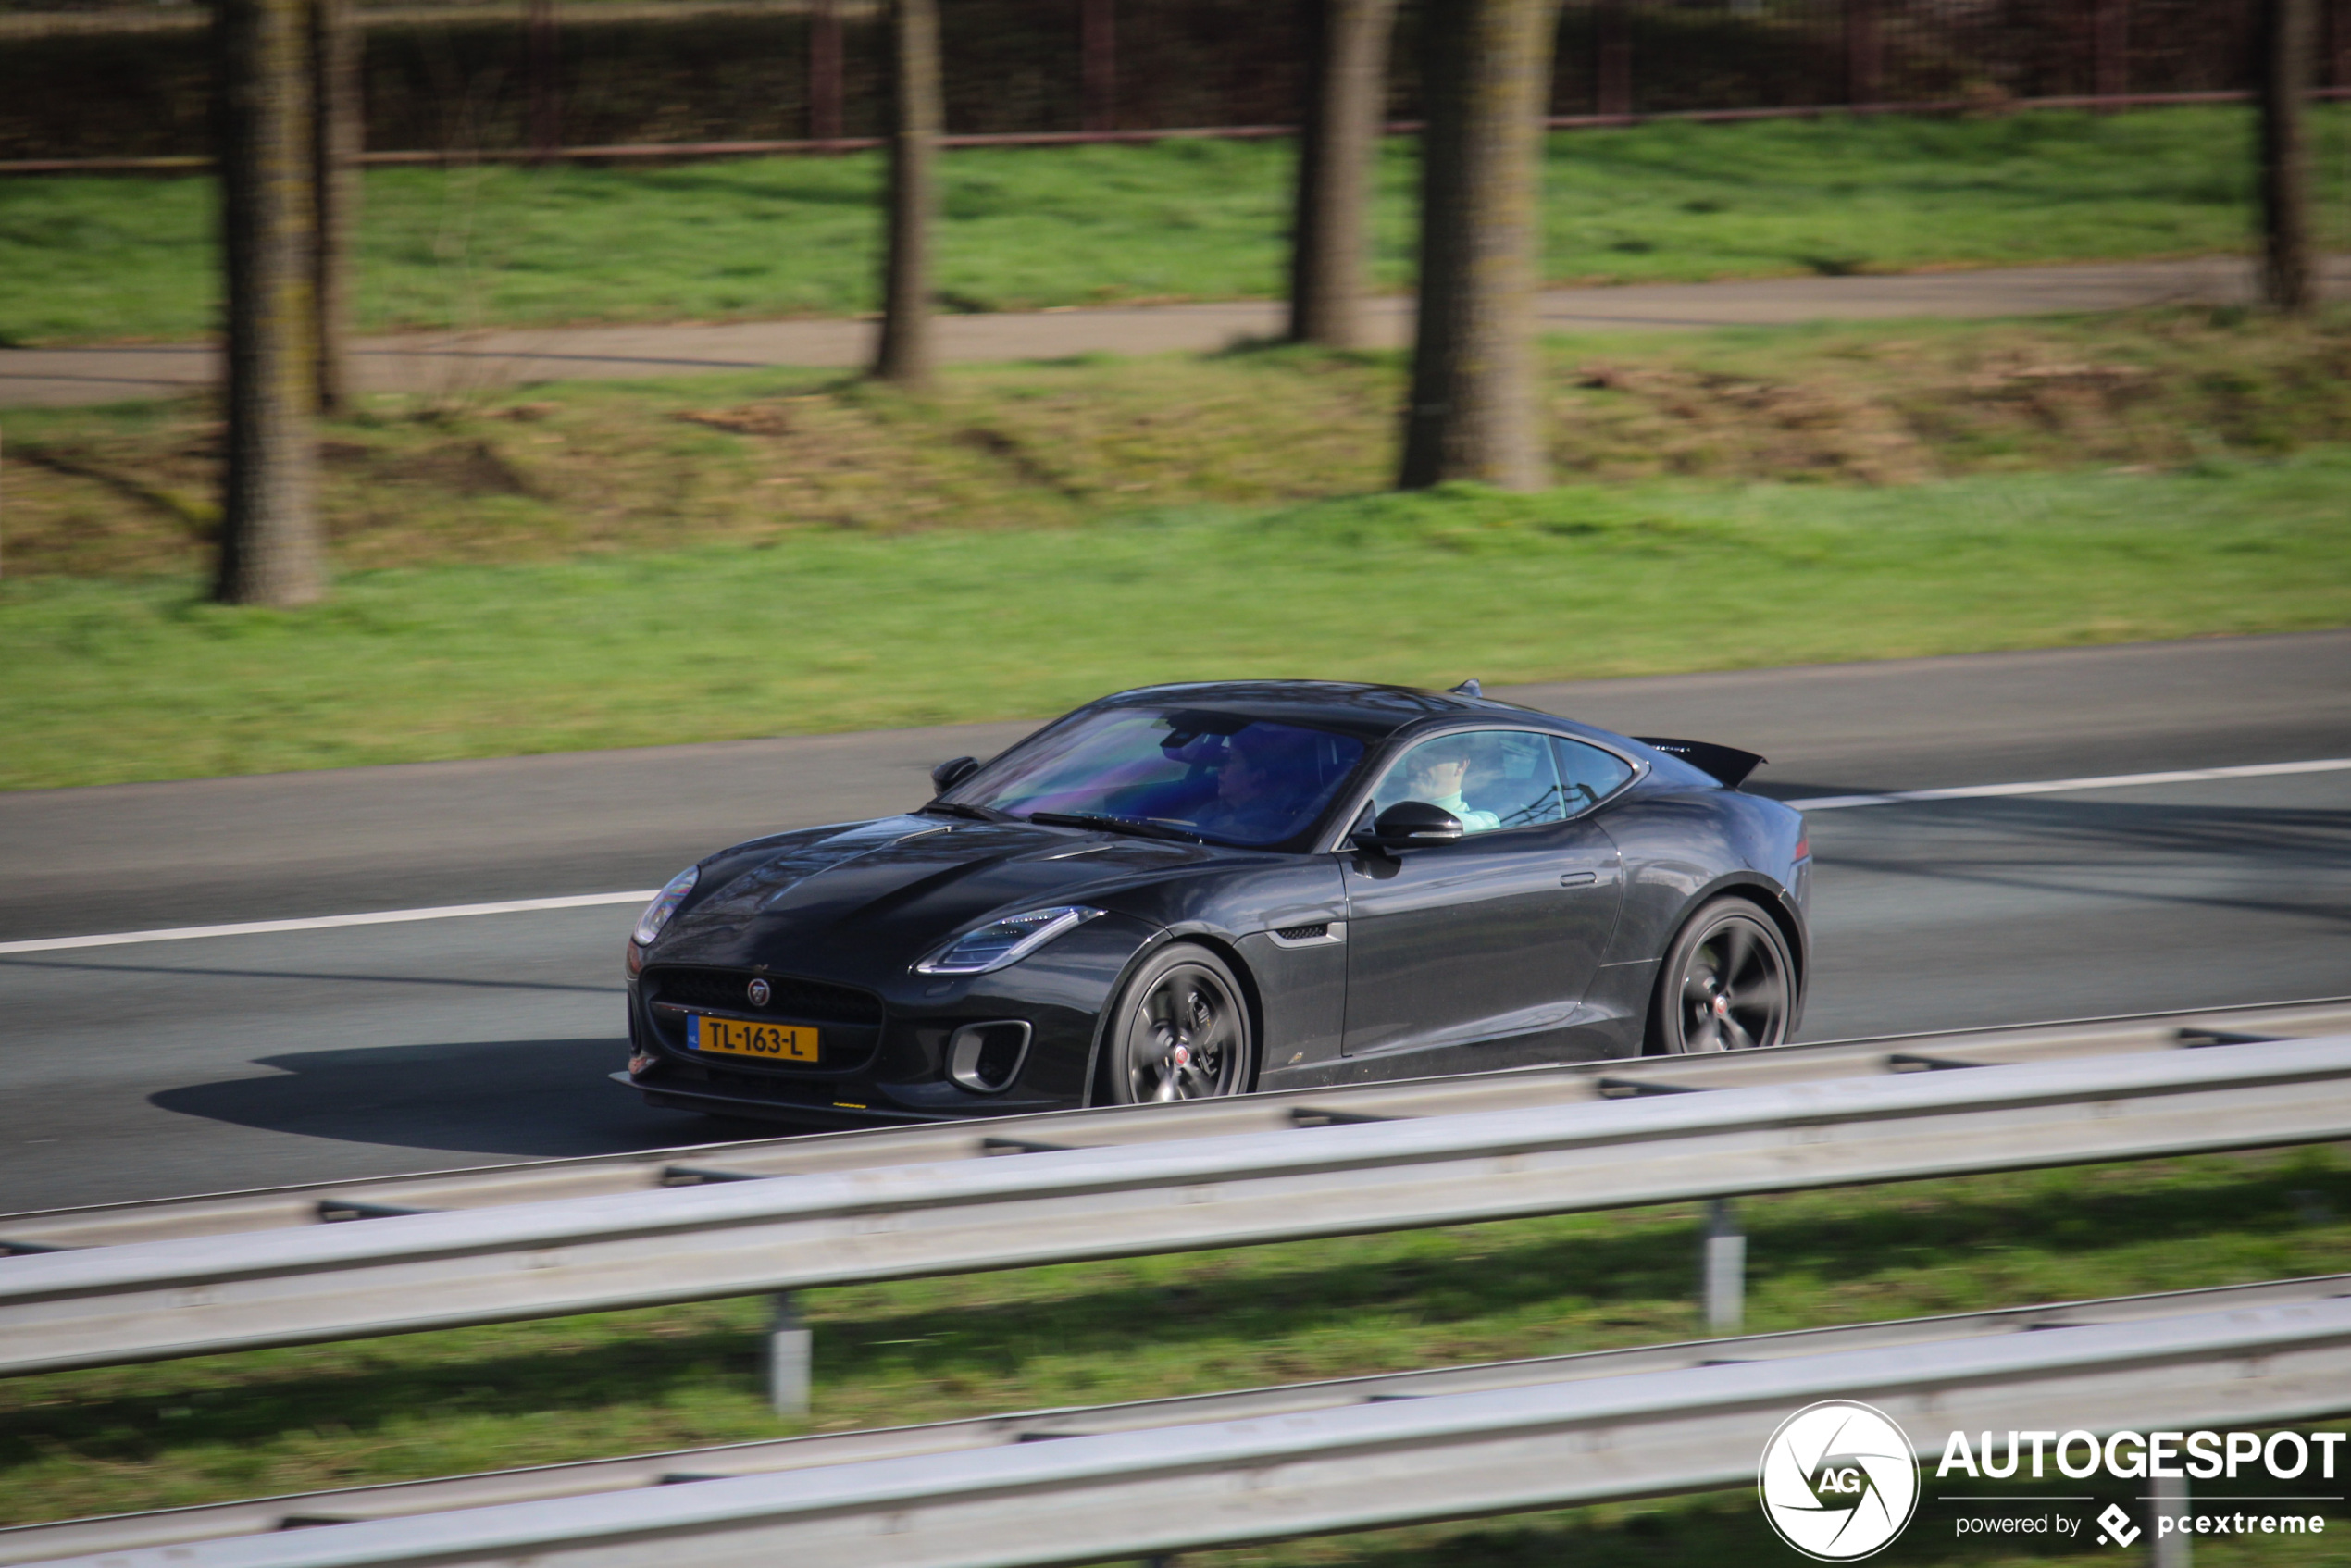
(1223, 777)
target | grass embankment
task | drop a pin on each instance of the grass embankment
(106, 258)
(260, 1422)
(771, 554)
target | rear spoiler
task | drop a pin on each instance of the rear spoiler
(1726, 763)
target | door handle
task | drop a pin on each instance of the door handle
(1578, 878)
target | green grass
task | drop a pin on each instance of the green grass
(275, 1421)
(97, 259)
(110, 680)
(746, 457)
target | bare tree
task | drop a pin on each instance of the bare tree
(1337, 148)
(270, 545)
(1486, 73)
(905, 354)
(2289, 40)
(338, 131)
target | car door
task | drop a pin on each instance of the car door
(1474, 954)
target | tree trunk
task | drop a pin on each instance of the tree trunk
(1486, 67)
(2288, 40)
(905, 354)
(1337, 149)
(337, 130)
(269, 546)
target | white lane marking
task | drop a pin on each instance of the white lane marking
(585, 900)
(327, 922)
(2052, 786)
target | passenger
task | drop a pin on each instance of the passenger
(1436, 772)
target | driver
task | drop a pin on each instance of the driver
(1256, 788)
(1435, 772)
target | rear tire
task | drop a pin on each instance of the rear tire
(1181, 1032)
(1727, 984)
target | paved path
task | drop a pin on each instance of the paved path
(455, 362)
(140, 1071)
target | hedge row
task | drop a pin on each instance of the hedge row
(1012, 66)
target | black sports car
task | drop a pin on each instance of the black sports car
(1203, 890)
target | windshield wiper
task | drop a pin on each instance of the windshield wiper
(1114, 825)
(957, 808)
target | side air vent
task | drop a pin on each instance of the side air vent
(1322, 933)
(986, 1058)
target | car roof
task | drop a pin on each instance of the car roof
(1370, 713)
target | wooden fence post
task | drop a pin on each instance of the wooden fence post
(1864, 53)
(1612, 58)
(824, 71)
(546, 93)
(2110, 49)
(1098, 52)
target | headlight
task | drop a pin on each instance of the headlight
(665, 904)
(1005, 941)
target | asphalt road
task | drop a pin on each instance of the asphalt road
(227, 1062)
(451, 363)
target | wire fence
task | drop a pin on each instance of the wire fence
(625, 78)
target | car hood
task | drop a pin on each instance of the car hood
(897, 887)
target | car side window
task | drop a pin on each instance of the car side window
(1588, 774)
(1490, 778)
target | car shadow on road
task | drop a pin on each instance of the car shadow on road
(532, 1097)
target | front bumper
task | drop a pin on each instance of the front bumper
(889, 1064)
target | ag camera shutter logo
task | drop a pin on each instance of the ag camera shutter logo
(1838, 1481)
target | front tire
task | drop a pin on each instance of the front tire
(1727, 984)
(1181, 1032)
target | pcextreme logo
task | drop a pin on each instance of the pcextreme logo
(1838, 1481)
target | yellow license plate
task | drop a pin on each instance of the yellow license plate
(771, 1042)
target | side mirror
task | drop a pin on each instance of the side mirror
(1414, 825)
(952, 771)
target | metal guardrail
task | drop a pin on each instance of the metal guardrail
(547, 1483)
(160, 1299)
(604, 1175)
(1443, 1456)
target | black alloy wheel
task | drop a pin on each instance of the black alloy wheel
(1182, 1032)
(1728, 983)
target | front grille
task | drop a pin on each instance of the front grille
(724, 991)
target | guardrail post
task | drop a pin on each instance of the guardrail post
(2170, 1496)
(790, 1347)
(1726, 1271)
